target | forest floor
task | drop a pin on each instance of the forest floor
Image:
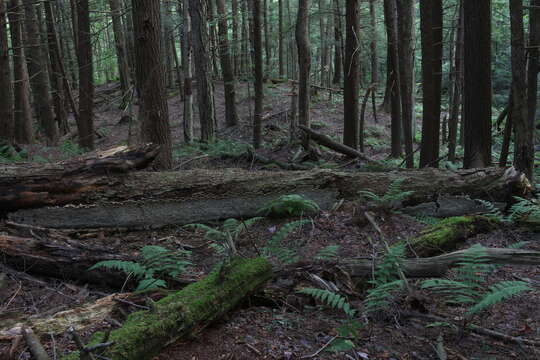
(279, 323)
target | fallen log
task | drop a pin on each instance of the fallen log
(186, 312)
(33, 185)
(448, 234)
(340, 148)
(158, 199)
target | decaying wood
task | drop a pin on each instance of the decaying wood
(343, 149)
(61, 257)
(166, 198)
(36, 349)
(34, 185)
(439, 265)
(188, 311)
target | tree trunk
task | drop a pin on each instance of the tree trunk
(187, 55)
(121, 51)
(477, 86)
(457, 85)
(57, 73)
(231, 116)
(23, 129)
(38, 75)
(431, 16)
(176, 198)
(267, 44)
(338, 58)
(351, 75)
(258, 73)
(373, 44)
(153, 109)
(405, 10)
(390, 17)
(86, 77)
(534, 62)
(235, 38)
(281, 58)
(304, 66)
(205, 91)
(7, 124)
(524, 130)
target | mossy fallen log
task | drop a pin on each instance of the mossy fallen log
(448, 234)
(145, 333)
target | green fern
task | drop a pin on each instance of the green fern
(330, 299)
(391, 199)
(328, 253)
(386, 280)
(469, 287)
(492, 211)
(525, 208)
(275, 248)
(427, 220)
(155, 262)
(290, 205)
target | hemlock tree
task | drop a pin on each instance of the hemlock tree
(86, 77)
(258, 72)
(431, 20)
(351, 75)
(477, 83)
(149, 70)
(6, 89)
(304, 65)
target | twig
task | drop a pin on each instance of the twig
(37, 350)
(132, 304)
(321, 349)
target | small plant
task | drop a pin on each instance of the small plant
(156, 263)
(224, 239)
(328, 253)
(492, 211)
(290, 205)
(8, 154)
(469, 289)
(386, 280)
(330, 299)
(69, 148)
(391, 199)
(275, 248)
(218, 148)
(525, 208)
(427, 220)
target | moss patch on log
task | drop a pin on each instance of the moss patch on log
(145, 333)
(447, 234)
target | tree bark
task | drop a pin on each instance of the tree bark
(477, 85)
(187, 55)
(23, 128)
(281, 57)
(431, 18)
(534, 60)
(7, 118)
(161, 199)
(304, 66)
(258, 73)
(457, 84)
(86, 77)
(38, 75)
(231, 116)
(406, 68)
(338, 58)
(149, 69)
(205, 91)
(351, 75)
(374, 60)
(121, 51)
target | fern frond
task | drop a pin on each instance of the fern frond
(128, 267)
(378, 297)
(330, 299)
(151, 283)
(284, 231)
(290, 205)
(328, 253)
(498, 293)
(492, 211)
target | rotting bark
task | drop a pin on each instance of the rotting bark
(145, 333)
(448, 234)
(160, 199)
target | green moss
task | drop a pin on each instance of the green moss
(446, 234)
(144, 333)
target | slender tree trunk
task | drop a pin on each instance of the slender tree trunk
(304, 65)
(38, 75)
(121, 51)
(188, 72)
(258, 73)
(7, 125)
(457, 85)
(281, 59)
(373, 44)
(507, 134)
(23, 131)
(267, 43)
(212, 36)
(533, 63)
(390, 15)
(323, 45)
(351, 75)
(406, 52)
(149, 69)
(477, 83)
(168, 34)
(338, 58)
(86, 81)
(205, 91)
(56, 75)
(231, 116)
(431, 16)
(524, 131)
(235, 37)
